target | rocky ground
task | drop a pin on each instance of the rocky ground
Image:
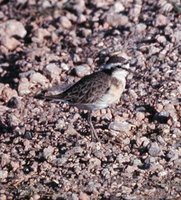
(45, 150)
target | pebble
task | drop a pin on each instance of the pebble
(53, 71)
(82, 70)
(48, 152)
(5, 159)
(141, 27)
(65, 22)
(120, 126)
(162, 117)
(38, 78)
(10, 43)
(117, 20)
(24, 87)
(14, 120)
(161, 20)
(64, 66)
(140, 116)
(14, 102)
(83, 196)
(153, 149)
(117, 7)
(35, 197)
(7, 93)
(41, 33)
(94, 163)
(3, 174)
(13, 27)
(3, 197)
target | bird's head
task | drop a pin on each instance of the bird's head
(118, 65)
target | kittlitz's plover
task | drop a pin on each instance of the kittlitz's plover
(98, 90)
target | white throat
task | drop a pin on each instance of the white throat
(120, 74)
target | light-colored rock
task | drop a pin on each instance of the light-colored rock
(120, 126)
(82, 70)
(53, 70)
(3, 174)
(38, 78)
(24, 87)
(5, 159)
(117, 20)
(117, 7)
(141, 27)
(153, 149)
(64, 66)
(10, 43)
(94, 163)
(41, 33)
(161, 20)
(140, 116)
(83, 196)
(48, 152)
(65, 22)
(8, 93)
(12, 28)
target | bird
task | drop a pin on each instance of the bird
(98, 90)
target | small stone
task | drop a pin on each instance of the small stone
(5, 159)
(3, 174)
(8, 93)
(64, 66)
(177, 36)
(15, 165)
(3, 197)
(117, 7)
(94, 163)
(13, 28)
(161, 140)
(106, 173)
(14, 102)
(172, 155)
(82, 70)
(126, 190)
(60, 124)
(163, 173)
(159, 107)
(14, 120)
(86, 32)
(117, 20)
(161, 20)
(153, 149)
(1, 15)
(35, 197)
(10, 43)
(41, 34)
(161, 39)
(140, 116)
(137, 162)
(46, 4)
(65, 22)
(38, 78)
(83, 196)
(75, 196)
(120, 126)
(53, 71)
(162, 117)
(48, 152)
(24, 87)
(141, 27)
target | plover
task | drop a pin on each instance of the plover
(98, 90)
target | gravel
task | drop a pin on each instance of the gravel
(45, 148)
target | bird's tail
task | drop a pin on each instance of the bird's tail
(50, 97)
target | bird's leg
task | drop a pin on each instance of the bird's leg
(93, 132)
